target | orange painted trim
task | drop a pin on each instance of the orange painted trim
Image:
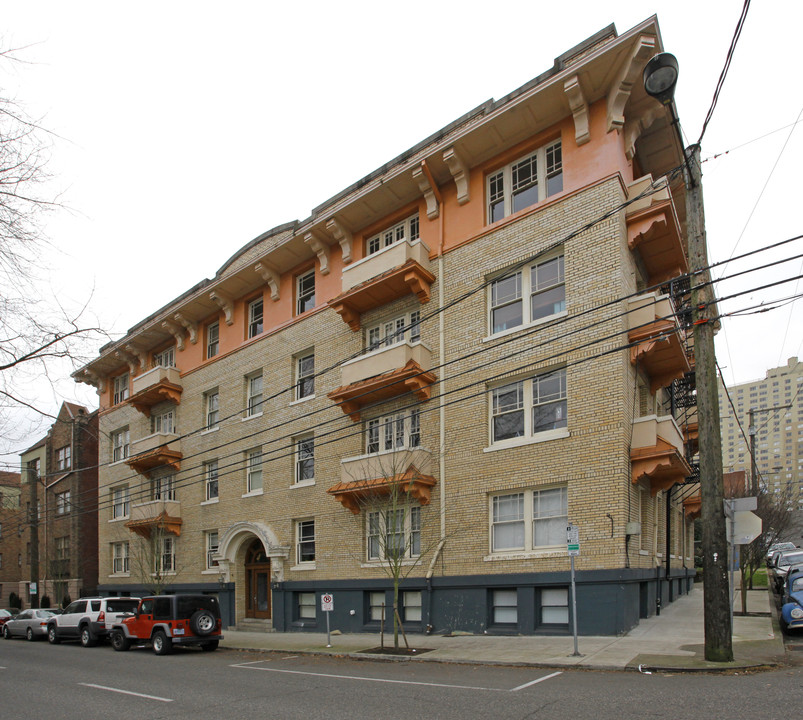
(411, 482)
(661, 464)
(158, 457)
(163, 391)
(162, 521)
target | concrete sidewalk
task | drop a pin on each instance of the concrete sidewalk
(673, 641)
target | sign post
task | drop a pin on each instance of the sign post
(327, 605)
(573, 547)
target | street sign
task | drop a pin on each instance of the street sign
(573, 540)
(747, 527)
(327, 602)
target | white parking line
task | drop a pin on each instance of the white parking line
(126, 692)
(535, 682)
(249, 666)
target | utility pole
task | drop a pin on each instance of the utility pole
(716, 589)
(751, 431)
(33, 481)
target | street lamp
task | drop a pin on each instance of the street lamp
(661, 77)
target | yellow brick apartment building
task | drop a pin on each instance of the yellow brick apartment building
(484, 331)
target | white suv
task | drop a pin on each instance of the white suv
(89, 619)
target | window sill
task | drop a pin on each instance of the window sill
(120, 575)
(555, 551)
(302, 483)
(208, 431)
(120, 519)
(301, 567)
(212, 501)
(302, 400)
(385, 564)
(118, 462)
(521, 328)
(251, 417)
(211, 571)
(535, 439)
(253, 493)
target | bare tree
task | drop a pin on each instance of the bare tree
(390, 495)
(37, 328)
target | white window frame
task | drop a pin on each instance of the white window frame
(165, 358)
(504, 606)
(527, 181)
(212, 545)
(212, 339)
(519, 290)
(408, 229)
(523, 514)
(529, 398)
(120, 558)
(120, 389)
(405, 524)
(389, 433)
(121, 502)
(305, 459)
(164, 423)
(412, 605)
(166, 556)
(163, 487)
(254, 394)
(121, 444)
(305, 376)
(307, 605)
(305, 292)
(256, 317)
(63, 504)
(211, 481)
(402, 328)
(305, 538)
(212, 408)
(253, 473)
(64, 458)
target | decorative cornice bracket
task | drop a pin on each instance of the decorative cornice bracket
(426, 188)
(460, 173)
(643, 49)
(270, 276)
(176, 331)
(343, 235)
(321, 249)
(225, 303)
(189, 326)
(579, 106)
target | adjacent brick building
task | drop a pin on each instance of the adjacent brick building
(10, 570)
(58, 520)
(488, 324)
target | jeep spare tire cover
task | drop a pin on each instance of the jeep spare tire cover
(202, 622)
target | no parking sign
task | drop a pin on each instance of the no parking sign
(327, 602)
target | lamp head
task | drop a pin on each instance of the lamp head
(661, 76)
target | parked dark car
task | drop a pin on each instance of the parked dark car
(792, 610)
(5, 616)
(781, 565)
(30, 624)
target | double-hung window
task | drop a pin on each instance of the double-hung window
(254, 471)
(63, 461)
(528, 295)
(212, 339)
(393, 533)
(120, 561)
(166, 555)
(405, 230)
(529, 407)
(63, 503)
(393, 432)
(254, 400)
(305, 292)
(305, 541)
(397, 330)
(212, 401)
(120, 445)
(120, 502)
(164, 422)
(163, 488)
(305, 459)
(525, 182)
(211, 479)
(529, 519)
(211, 549)
(166, 358)
(120, 388)
(305, 376)
(255, 309)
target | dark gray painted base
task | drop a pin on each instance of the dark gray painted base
(608, 602)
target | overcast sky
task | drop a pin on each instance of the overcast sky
(188, 128)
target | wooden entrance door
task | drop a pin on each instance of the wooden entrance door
(257, 582)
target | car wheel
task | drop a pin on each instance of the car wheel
(210, 646)
(162, 645)
(6, 632)
(202, 622)
(52, 635)
(29, 634)
(87, 638)
(119, 641)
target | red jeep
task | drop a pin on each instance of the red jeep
(167, 620)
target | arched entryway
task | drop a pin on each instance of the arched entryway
(257, 581)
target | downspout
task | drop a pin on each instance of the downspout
(441, 396)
